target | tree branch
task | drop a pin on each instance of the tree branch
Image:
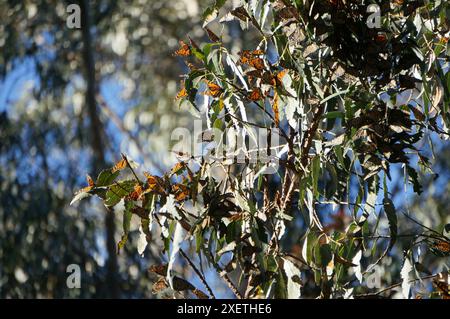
(199, 274)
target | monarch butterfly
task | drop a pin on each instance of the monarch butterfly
(247, 55)
(214, 89)
(281, 74)
(212, 36)
(160, 285)
(241, 13)
(443, 289)
(257, 63)
(120, 165)
(90, 181)
(136, 194)
(155, 183)
(255, 95)
(441, 248)
(254, 73)
(275, 109)
(380, 38)
(182, 94)
(184, 50)
(178, 167)
(158, 269)
(181, 191)
(82, 192)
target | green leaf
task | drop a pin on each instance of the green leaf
(211, 12)
(198, 240)
(334, 115)
(198, 53)
(118, 191)
(389, 208)
(324, 256)
(315, 175)
(280, 286)
(329, 97)
(126, 221)
(414, 179)
(106, 178)
(218, 124)
(308, 245)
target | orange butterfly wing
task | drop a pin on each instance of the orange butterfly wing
(255, 95)
(181, 94)
(120, 165)
(257, 63)
(181, 191)
(276, 110)
(214, 89)
(184, 50)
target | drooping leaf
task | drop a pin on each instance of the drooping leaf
(142, 241)
(79, 196)
(357, 261)
(406, 285)
(176, 245)
(127, 214)
(391, 214)
(106, 177)
(118, 191)
(293, 275)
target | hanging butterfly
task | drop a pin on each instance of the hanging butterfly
(158, 269)
(137, 192)
(86, 189)
(214, 89)
(90, 181)
(254, 73)
(275, 108)
(120, 165)
(440, 248)
(180, 191)
(184, 50)
(257, 63)
(181, 94)
(381, 38)
(212, 36)
(255, 95)
(246, 56)
(443, 289)
(178, 168)
(84, 192)
(160, 285)
(241, 13)
(155, 183)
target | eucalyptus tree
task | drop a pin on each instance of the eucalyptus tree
(291, 192)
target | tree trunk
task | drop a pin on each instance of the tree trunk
(98, 148)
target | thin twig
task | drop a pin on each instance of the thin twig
(199, 274)
(418, 223)
(118, 122)
(399, 284)
(131, 168)
(225, 277)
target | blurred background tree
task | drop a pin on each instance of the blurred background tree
(70, 102)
